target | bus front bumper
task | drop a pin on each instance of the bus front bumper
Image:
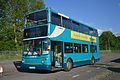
(23, 66)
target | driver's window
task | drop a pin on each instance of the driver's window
(46, 47)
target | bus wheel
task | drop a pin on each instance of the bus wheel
(92, 61)
(69, 65)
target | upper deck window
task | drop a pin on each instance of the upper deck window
(75, 26)
(88, 30)
(84, 29)
(66, 23)
(55, 19)
(36, 32)
(92, 32)
(39, 17)
(95, 32)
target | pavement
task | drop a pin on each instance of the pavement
(108, 68)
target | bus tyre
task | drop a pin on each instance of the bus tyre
(69, 65)
(92, 61)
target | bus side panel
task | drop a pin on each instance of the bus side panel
(65, 36)
(78, 58)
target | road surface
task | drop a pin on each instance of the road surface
(108, 68)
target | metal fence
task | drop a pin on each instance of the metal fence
(10, 55)
(109, 51)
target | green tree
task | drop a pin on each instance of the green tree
(117, 43)
(12, 21)
(105, 40)
(108, 41)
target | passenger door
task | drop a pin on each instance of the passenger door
(57, 49)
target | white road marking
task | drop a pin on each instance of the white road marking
(75, 76)
(88, 71)
(98, 68)
(104, 65)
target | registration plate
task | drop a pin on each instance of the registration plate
(31, 67)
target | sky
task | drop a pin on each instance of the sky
(101, 14)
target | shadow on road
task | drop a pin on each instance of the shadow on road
(101, 65)
(110, 66)
(116, 60)
(38, 71)
(18, 63)
(113, 69)
(107, 66)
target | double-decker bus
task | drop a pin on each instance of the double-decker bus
(55, 41)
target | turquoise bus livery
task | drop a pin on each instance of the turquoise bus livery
(55, 41)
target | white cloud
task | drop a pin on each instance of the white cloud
(110, 29)
(100, 31)
(116, 34)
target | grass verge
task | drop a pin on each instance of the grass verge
(10, 55)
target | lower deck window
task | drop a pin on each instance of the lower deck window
(84, 48)
(68, 47)
(77, 48)
(93, 48)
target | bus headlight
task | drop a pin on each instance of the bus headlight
(42, 61)
(23, 61)
(35, 53)
(25, 53)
